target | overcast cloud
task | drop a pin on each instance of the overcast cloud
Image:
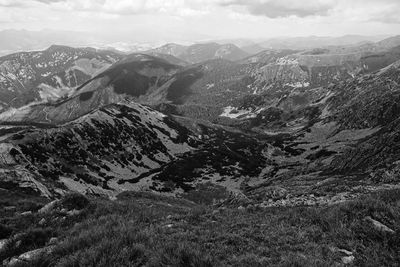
(145, 19)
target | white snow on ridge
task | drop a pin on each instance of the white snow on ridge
(11, 76)
(234, 113)
(298, 84)
(46, 74)
(210, 85)
(14, 114)
(287, 61)
(47, 92)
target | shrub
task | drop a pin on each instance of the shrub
(105, 254)
(389, 196)
(35, 237)
(146, 215)
(29, 206)
(74, 201)
(5, 231)
(182, 255)
(206, 194)
(250, 260)
(32, 239)
(197, 213)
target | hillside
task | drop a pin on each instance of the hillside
(144, 229)
(197, 53)
(50, 74)
(133, 77)
(97, 152)
(372, 102)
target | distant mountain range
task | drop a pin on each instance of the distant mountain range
(23, 40)
(318, 41)
(201, 52)
(12, 41)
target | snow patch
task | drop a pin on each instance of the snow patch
(15, 114)
(46, 74)
(11, 76)
(234, 113)
(210, 85)
(298, 84)
(287, 61)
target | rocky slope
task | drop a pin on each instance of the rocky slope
(50, 74)
(349, 146)
(370, 102)
(102, 149)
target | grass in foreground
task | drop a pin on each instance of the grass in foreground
(142, 229)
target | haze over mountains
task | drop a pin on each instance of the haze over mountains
(24, 40)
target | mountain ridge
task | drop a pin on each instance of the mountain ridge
(200, 52)
(273, 119)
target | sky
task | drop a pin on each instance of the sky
(149, 20)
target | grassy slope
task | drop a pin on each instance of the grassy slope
(141, 229)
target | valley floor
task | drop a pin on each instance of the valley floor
(144, 229)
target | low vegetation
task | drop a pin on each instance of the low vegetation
(143, 229)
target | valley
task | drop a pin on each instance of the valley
(204, 127)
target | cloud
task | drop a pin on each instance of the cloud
(385, 11)
(220, 18)
(122, 7)
(133, 7)
(27, 3)
(12, 3)
(373, 10)
(50, 1)
(283, 8)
